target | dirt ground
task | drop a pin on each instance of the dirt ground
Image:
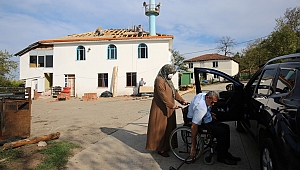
(81, 122)
(85, 122)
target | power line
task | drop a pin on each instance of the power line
(199, 51)
(251, 40)
(217, 48)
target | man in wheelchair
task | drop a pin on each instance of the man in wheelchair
(200, 112)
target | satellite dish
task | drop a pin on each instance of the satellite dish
(159, 4)
(144, 4)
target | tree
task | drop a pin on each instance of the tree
(285, 39)
(178, 61)
(226, 45)
(291, 18)
(290, 21)
(7, 67)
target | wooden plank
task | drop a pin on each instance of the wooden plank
(115, 75)
(146, 89)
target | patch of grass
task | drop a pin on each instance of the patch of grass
(57, 155)
(7, 156)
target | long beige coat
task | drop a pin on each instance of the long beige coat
(162, 118)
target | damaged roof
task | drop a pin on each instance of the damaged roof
(98, 35)
(207, 57)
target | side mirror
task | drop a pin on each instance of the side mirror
(229, 87)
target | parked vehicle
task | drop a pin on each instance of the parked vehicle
(267, 107)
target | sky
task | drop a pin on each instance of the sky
(195, 24)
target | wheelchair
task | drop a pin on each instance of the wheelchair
(181, 141)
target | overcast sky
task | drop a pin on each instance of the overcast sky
(195, 24)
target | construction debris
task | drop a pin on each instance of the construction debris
(64, 94)
(42, 144)
(30, 141)
(89, 97)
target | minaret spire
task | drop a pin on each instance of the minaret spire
(152, 10)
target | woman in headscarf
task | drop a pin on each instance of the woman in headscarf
(162, 118)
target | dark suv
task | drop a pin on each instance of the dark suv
(267, 107)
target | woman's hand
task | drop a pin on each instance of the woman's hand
(185, 103)
(176, 107)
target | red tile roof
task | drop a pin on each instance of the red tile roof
(98, 35)
(207, 57)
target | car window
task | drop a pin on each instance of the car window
(208, 78)
(264, 87)
(286, 81)
(254, 84)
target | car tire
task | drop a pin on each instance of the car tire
(268, 157)
(238, 127)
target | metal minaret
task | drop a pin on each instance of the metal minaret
(152, 10)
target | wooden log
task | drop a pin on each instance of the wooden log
(30, 141)
(115, 76)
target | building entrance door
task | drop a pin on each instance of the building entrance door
(70, 82)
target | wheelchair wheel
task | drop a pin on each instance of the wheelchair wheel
(181, 142)
(209, 160)
(207, 141)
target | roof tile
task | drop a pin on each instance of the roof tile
(207, 57)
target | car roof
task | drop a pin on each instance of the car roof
(285, 58)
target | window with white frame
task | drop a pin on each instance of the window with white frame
(80, 53)
(215, 64)
(33, 61)
(131, 79)
(111, 52)
(102, 79)
(142, 51)
(191, 65)
(40, 61)
(49, 60)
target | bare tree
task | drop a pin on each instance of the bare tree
(226, 45)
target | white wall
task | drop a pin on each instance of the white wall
(229, 67)
(86, 72)
(26, 72)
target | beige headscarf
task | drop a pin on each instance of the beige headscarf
(164, 72)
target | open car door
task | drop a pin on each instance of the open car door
(231, 103)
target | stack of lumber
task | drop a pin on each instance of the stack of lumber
(89, 97)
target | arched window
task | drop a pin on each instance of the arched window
(142, 51)
(80, 53)
(111, 52)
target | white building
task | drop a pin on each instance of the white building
(86, 62)
(214, 61)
